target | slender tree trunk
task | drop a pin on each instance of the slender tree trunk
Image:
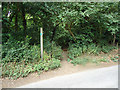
(69, 29)
(72, 33)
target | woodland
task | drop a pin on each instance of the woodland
(79, 27)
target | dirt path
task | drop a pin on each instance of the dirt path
(66, 68)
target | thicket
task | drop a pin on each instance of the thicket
(82, 27)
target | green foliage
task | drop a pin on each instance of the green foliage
(103, 60)
(115, 58)
(93, 49)
(89, 22)
(79, 60)
(96, 61)
(52, 49)
(107, 49)
(56, 52)
(15, 71)
(74, 52)
(54, 63)
(68, 60)
(19, 59)
(85, 27)
(97, 49)
(16, 51)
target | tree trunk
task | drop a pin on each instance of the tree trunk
(72, 34)
(69, 29)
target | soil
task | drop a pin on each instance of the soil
(66, 68)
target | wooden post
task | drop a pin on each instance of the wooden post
(41, 42)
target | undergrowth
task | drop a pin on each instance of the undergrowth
(79, 60)
(74, 53)
(19, 59)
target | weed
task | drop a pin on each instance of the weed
(114, 59)
(74, 52)
(68, 60)
(103, 60)
(79, 60)
(96, 61)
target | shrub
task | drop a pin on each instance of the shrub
(93, 49)
(57, 52)
(52, 49)
(74, 52)
(54, 63)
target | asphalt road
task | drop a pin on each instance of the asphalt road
(98, 78)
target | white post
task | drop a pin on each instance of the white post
(41, 42)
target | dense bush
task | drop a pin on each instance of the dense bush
(16, 51)
(19, 59)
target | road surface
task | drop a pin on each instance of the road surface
(98, 78)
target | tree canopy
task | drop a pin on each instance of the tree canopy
(71, 21)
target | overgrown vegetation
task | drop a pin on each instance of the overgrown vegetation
(82, 27)
(75, 51)
(92, 59)
(20, 59)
